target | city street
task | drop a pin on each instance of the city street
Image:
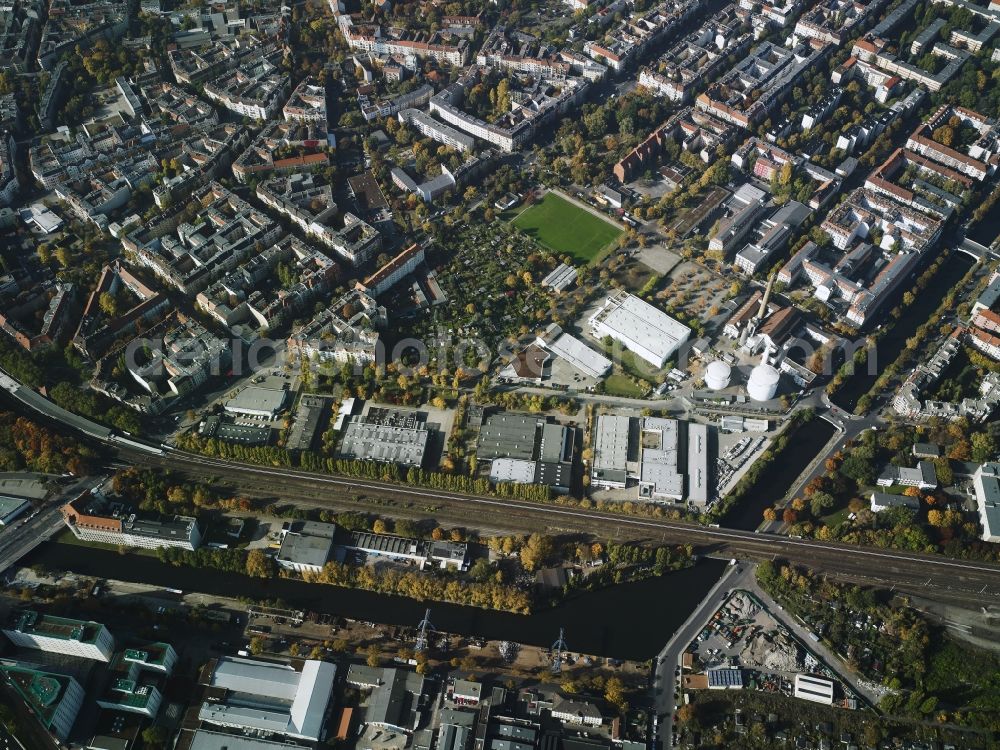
(668, 669)
(668, 661)
(22, 536)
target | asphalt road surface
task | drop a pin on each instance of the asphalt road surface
(24, 534)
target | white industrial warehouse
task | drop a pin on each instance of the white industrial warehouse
(641, 328)
(815, 689)
(268, 697)
(652, 451)
(578, 354)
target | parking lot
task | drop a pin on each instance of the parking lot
(743, 634)
(737, 453)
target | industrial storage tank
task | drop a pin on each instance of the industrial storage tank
(717, 375)
(763, 383)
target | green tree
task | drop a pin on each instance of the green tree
(155, 736)
(109, 304)
(820, 502)
(536, 551)
(984, 447)
(614, 693)
(259, 565)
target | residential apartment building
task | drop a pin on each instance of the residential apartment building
(307, 103)
(439, 131)
(346, 331)
(393, 272)
(518, 126)
(78, 23)
(835, 21)
(982, 156)
(760, 82)
(190, 256)
(696, 131)
(406, 44)
(697, 57)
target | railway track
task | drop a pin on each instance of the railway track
(965, 581)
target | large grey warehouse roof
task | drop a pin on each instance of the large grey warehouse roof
(611, 442)
(256, 400)
(308, 415)
(557, 444)
(372, 442)
(393, 702)
(300, 549)
(508, 435)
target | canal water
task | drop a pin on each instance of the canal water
(777, 477)
(893, 342)
(628, 621)
(986, 231)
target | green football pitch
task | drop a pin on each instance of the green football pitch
(566, 229)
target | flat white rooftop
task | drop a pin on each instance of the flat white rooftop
(643, 329)
(257, 401)
(815, 689)
(271, 697)
(514, 470)
(611, 442)
(581, 356)
(697, 463)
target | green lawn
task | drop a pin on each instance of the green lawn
(837, 517)
(621, 385)
(565, 229)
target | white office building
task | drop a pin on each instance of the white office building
(644, 330)
(91, 518)
(88, 640)
(986, 481)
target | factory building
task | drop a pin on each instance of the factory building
(644, 330)
(268, 697)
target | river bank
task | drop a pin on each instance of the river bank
(627, 621)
